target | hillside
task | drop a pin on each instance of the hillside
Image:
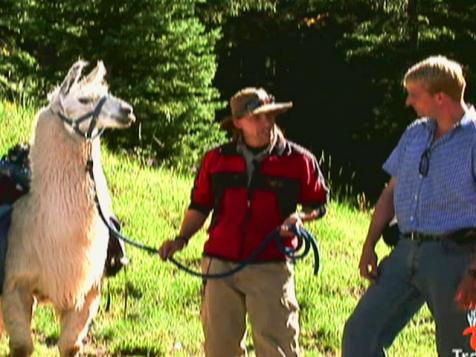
(161, 316)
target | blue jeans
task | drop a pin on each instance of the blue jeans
(413, 274)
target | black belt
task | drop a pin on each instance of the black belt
(465, 235)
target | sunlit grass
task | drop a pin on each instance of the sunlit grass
(161, 316)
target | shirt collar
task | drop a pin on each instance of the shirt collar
(468, 118)
(276, 147)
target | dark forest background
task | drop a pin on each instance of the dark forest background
(178, 61)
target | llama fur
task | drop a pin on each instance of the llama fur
(57, 240)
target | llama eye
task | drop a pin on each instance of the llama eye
(85, 100)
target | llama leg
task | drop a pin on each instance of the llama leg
(75, 324)
(17, 308)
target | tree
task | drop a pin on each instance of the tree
(17, 67)
(341, 62)
(158, 54)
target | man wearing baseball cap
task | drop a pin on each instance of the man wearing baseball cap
(252, 185)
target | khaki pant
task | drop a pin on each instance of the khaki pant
(264, 291)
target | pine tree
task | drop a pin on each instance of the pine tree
(158, 54)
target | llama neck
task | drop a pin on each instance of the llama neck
(58, 161)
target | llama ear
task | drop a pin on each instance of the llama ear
(96, 75)
(56, 101)
(72, 77)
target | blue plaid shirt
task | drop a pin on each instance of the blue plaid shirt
(445, 199)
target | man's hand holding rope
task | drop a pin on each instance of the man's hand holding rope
(297, 219)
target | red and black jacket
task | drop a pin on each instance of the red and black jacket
(244, 215)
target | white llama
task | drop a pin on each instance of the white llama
(57, 241)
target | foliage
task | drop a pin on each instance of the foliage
(17, 67)
(16, 122)
(402, 32)
(220, 11)
(339, 61)
(159, 56)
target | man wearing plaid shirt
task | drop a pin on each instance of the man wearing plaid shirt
(432, 192)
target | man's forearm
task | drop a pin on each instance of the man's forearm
(384, 212)
(192, 222)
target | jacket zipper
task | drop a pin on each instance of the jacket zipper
(249, 196)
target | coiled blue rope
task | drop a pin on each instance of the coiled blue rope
(306, 242)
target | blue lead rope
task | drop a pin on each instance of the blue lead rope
(305, 239)
(306, 242)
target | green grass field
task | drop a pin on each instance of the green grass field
(161, 317)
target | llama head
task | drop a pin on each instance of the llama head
(85, 104)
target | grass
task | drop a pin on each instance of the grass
(161, 317)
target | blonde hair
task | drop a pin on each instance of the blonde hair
(438, 74)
